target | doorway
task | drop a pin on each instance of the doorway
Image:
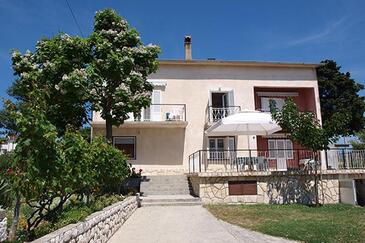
(221, 105)
(360, 192)
(219, 100)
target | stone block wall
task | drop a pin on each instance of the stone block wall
(272, 189)
(3, 225)
(97, 227)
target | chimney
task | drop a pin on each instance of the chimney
(187, 45)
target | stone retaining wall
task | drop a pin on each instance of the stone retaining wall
(274, 189)
(3, 225)
(97, 227)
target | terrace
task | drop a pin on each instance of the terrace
(251, 160)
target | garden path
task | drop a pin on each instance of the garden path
(183, 224)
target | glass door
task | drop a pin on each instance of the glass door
(216, 148)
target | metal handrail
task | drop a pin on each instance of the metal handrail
(146, 113)
(217, 113)
(337, 159)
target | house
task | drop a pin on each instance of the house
(172, 137)
(8, 145)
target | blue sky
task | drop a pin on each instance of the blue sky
(261, 30)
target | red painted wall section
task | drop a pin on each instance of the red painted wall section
(305, 100)
(298, 153)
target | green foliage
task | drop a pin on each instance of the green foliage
(35, 152)
(57, 69)
(110, 165)
(360, 143)
(86, 133)
(73, 212)
(340, 100)
(303, 127)
(54, 88)
(7, 125)
(119, 69)
(5, 160)
(47, 170)
(5, 194)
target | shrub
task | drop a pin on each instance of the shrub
(5, 193)
(110, 166)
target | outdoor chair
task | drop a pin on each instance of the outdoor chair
(308, 164)
(262, 164)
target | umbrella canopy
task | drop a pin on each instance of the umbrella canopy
(246, 122)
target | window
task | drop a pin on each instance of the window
(219, 146)
(280, 148)
(216, 147)
(127, 145)
(265, 103)
(242, 187)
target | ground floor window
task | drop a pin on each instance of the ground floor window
(280, 148)
(242, 187)
(219, 145)
(127, 145)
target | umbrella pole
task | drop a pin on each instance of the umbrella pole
(249, 151)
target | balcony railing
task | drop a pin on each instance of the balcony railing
(342, 159)
(274, 160)
(215, 114)
(161, 112)
(251, 160)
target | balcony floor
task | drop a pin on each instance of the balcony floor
(144, 124)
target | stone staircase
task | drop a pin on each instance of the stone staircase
(168, 190)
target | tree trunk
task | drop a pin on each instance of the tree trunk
(109, 129)
(14, 225)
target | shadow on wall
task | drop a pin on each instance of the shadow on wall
(291, 189)
(160, 147)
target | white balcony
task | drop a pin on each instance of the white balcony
(157, 115)
(217, 113)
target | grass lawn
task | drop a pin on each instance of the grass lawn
(329, 223)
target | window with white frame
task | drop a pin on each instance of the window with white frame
(280, 148)
(127, 145)
(278, 103)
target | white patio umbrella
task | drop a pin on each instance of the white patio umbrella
(246, 122)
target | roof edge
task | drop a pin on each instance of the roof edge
(238, 63)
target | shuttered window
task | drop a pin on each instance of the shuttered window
(127, 145)
(242, 187)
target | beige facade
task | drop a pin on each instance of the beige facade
(164, 145)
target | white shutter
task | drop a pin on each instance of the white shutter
(230, 143)
(265, 104)
(156, 109)
(230, 98)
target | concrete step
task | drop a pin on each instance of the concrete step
(169, 200)
(165, 185)
(165, 193)
(154, 204)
